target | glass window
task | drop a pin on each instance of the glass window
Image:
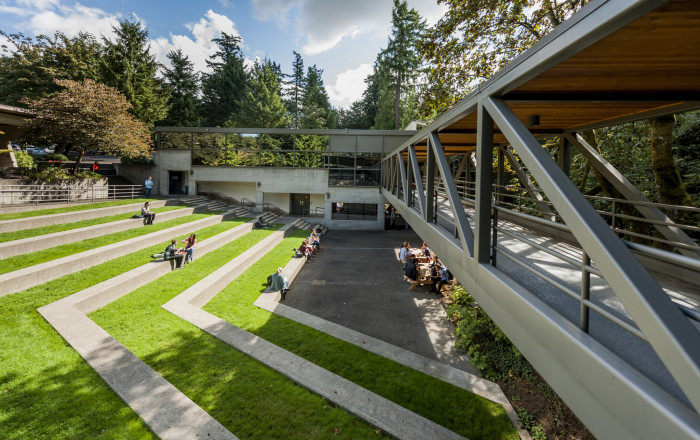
(354, 211)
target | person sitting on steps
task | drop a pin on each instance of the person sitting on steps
(148, 216)
(260, 224)
(174, 255)
(279, 282)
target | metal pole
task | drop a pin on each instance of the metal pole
(494, 238)
(613, 217)
(585, 290)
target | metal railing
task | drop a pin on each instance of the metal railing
(37, 194)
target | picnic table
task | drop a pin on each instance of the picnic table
(424, 278)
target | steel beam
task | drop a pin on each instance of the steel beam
(415, 168)
(484, 186)
(527, 183)
(631, 193)
(670, 334)
(402, 178)
(466, 236)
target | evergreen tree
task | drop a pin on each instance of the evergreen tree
(262, 104)
(296, 86)
(183, 83)
(400, 60)
(224, 88)
(129, 67)
(316, 107)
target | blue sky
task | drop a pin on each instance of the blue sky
(342, 37)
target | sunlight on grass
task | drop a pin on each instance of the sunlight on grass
(26, 233)
(46, 390)
(251, 400)
(445, 404)
(38, 257)
(70, 208)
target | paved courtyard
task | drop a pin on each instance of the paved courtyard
(357, 282)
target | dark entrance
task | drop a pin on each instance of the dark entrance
(177, 182)
(300, 204)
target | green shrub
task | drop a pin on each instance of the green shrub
(488, 346)
(53, 174)
(55, 157)
(25, 160)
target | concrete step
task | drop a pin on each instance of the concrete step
(22, 279)
(32, 244)
(75, 216)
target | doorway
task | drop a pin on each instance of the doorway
(300, 204)
(176, 182)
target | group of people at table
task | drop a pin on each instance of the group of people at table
(422, 267)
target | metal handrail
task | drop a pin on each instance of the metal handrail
(35, 194)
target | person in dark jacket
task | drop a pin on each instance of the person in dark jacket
(171, 254)
(410, 269)
(279, 282)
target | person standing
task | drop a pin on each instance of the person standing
(189, 247)
(149, 186)
(95, 166)
(393, 218)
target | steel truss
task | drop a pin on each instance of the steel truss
(610, 396)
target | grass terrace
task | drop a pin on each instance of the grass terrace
(71, 208)
(26, 233)
(30, 259)
(46, 389)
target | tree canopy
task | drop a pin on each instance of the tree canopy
(128, 66)
(88, 115)
(476, 38)
(183, 83)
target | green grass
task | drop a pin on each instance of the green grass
(445, 404)
(34, 232)
(38, 257)
(46, 390)
(70, 208)
(251, 400)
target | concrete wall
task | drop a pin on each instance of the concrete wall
(281, 200)
(237, 190)
(355, 195)
(171, 160)
(137, 174)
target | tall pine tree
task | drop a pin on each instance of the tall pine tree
(316, 107)
(224, 87)
(262, 104)
(183, 83)
(400, 60)
(128, 66)
(295, 89)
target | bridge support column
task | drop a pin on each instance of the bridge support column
(484, 180)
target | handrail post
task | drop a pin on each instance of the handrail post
(585, 290)
(613, 216)
(494, 237)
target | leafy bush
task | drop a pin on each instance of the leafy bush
(25, 160)
(53, 174)
(56, 157)
(488, 346)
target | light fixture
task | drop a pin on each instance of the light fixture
(533, 121)
(259, 184)
(328, 195)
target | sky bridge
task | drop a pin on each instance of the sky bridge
(615, 339)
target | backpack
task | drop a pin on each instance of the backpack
(269, 280)
(449, 274)
(298, 253)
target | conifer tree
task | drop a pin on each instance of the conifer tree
(296, 86)
(400, 60)
(224, 87)
(261, 105)
(316, 107)
(128, 66)
(183, 83)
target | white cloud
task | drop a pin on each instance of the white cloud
(349, 86)
(71, 19)
(199, 46)
(322, 24)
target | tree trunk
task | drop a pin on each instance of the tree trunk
(669, 186)
(626, 208)
(77, 160)
(397, 102)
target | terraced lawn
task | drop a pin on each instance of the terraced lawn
(46, 390)
(33, 258)
(34, 232)
(71, 208)
(456, 409)
(251, 400)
